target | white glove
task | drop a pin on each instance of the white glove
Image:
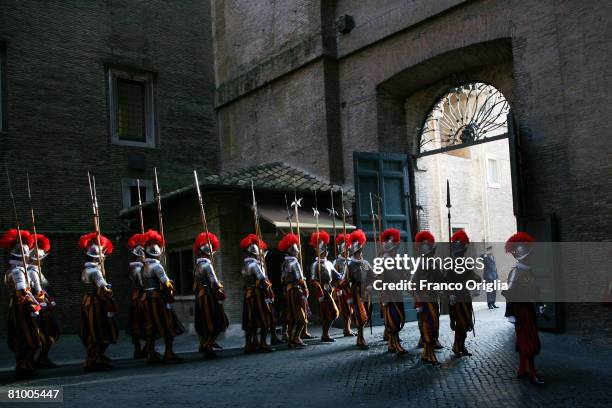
(169, 306)
(349, 301)
(221, 302)
(339, 293)
(452, 298)
(419, 309)
(541, 309)
(511, 319)
(34, 314)
(110, 314)
(53, 304)
(321, 299)
(43, 305)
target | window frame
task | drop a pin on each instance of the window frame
(186, 291)
(490, 183)
(127, 183)
(148, 79)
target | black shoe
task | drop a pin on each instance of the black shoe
(217, 346)
(210, 355)
(173, 359)
(307, 336)
(465, 352)
(327, 340)
(363, 346)
(276, 341)
(535, 380)
(495, 307)
(522, 376)
(25, 374)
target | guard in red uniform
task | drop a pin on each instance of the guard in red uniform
(296, 290)
(393, 311)
(210, 319)
(24, 336)
(135, 316)
(342, 301)
(519, 309)
(324, 277)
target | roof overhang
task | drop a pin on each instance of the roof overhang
(277, 216)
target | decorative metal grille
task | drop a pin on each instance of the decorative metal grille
(466, 114)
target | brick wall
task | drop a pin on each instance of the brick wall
(57, 117)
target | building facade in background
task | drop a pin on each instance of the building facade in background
(115, 88)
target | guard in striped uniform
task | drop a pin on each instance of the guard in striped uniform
(324, 277)
(342, 301)
(135, 317)
(258, 296)
(521, 308)
(210, 319)
(394, 315)
(98, 329)
(40, 286)
(296, 290)
(160, 319)
(24, 336)
(426, 301)
(461, 312)
(359, 273)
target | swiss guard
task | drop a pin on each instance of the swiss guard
(40, 285)
(359, 272)
(24, 336)
(98, 329)
(258, 296)
(324, 276)
(426, 301)
(521, 308)
(135, 316)
(210, 319)
(342, 301)
(160, 319)
(394, 315)
(461, 312)
(296, 290)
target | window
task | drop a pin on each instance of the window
(131, 108)
(180, 270)
(129, 189)
(493, 173)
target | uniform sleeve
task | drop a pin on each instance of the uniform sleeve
(160, 273)
(35, 283)
(212, 275)
(99, 279)
(19, 279)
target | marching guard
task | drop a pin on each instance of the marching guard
(24, 337)
(210, 318)
(258, 296)
(342, 301)
(358, 273)
(98, 329)
(393, 311)
(135, 317)
(46, 320)
(426, 301)
(324, 278)
(296, 290)
(160, 319)
(521, 309)
(461, 312)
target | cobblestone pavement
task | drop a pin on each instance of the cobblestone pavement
(338, 374)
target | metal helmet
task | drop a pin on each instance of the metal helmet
(38, 255)
(136, 244)
(153, 249)
(341, 243)
(390, 239)
(89, 244)
(459, 242)
(426, 243)
(290, 244)
(153, 243)
(520, 245)
(17, 244)
(319, 241)
(93, 251)
(206, 243)
(252, 245)
(357, 240)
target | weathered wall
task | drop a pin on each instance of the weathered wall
(57, 116)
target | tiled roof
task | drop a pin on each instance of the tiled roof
(269, 176)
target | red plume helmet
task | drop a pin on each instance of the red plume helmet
(519, 237)
(136, 240)
(460, 236)
(204, 238)
(357, 236)
(288, 240)
(424, 236)
(392, 233)
(86, 240)
(315, 237)
(154, 237)
(11, 238)
(342, 238)
(42, 241)
(252, 239)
